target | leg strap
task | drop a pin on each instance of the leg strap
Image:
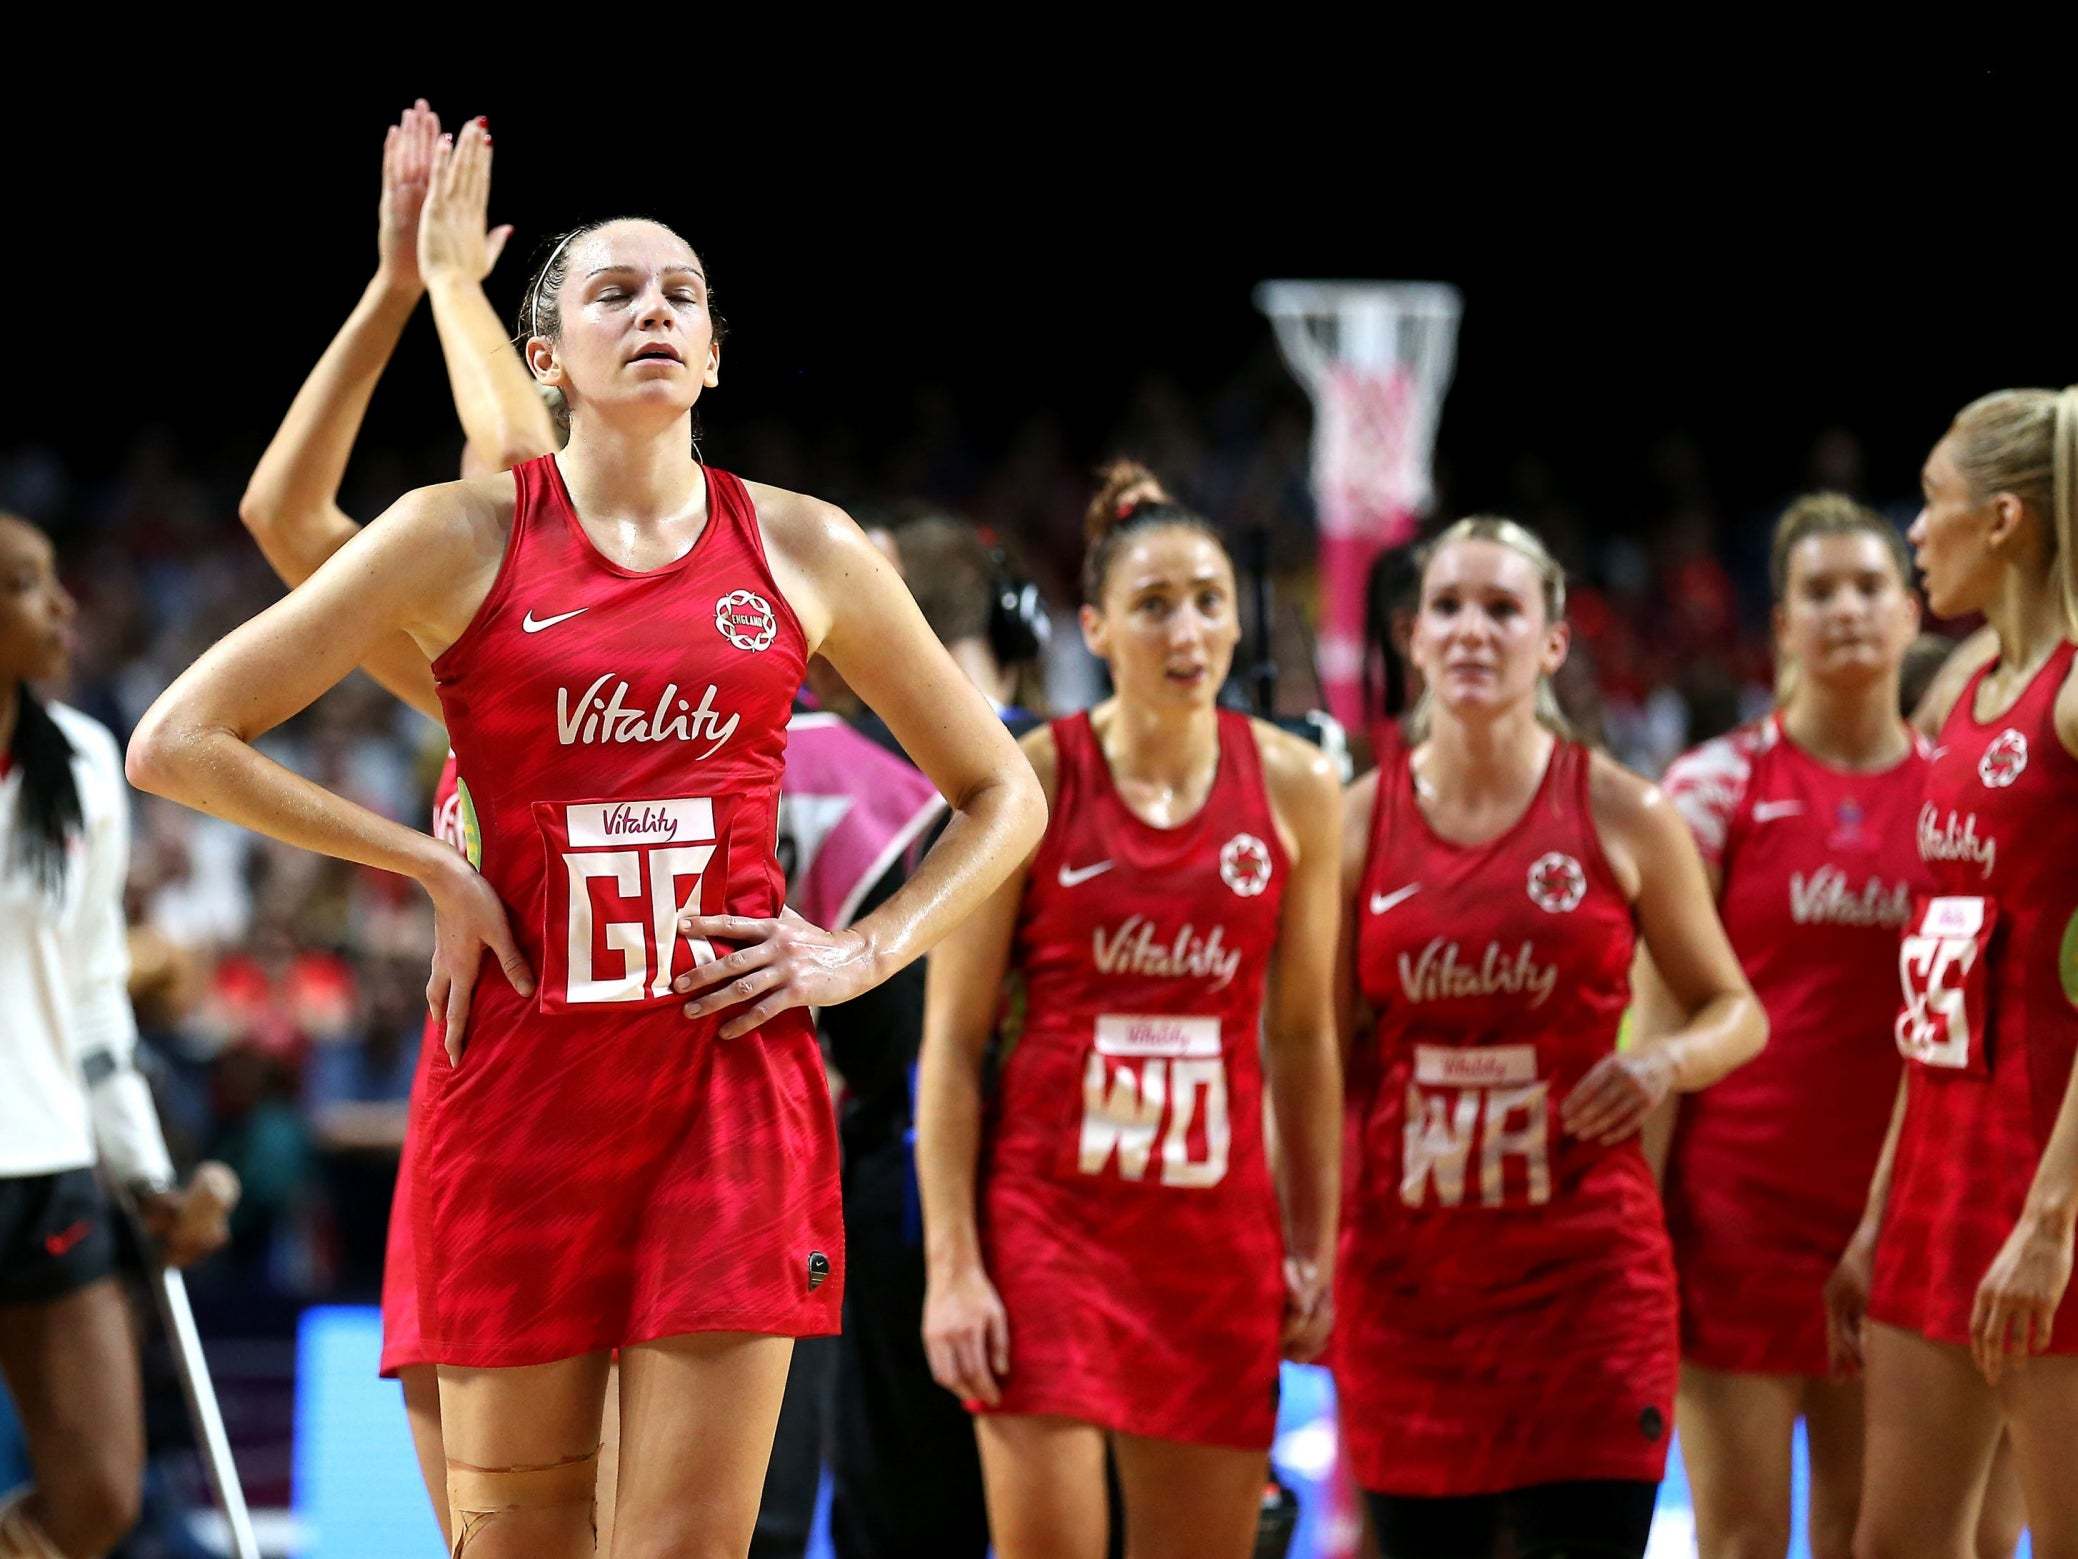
(477, 1495)
(21, 1538)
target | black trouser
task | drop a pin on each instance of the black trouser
(786, 1510)
(905, 1469)
(1590, 1518)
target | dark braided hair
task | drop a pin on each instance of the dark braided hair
(1130, 499)
(48, 813)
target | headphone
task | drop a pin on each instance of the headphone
(1018, 626)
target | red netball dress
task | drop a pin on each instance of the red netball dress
(600, 1170)
(1127, 1213)
(1769, 1169)
(401, 1347)
(1989, 966)
(1506, 1298)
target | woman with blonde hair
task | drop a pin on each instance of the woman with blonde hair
(1507, 1344)
(1970, 1326)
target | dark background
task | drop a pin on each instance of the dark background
(961, 268)
(1747, 254)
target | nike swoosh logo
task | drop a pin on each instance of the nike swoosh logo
(1070, 877)
(1768, 811)
(59, 1243)
(535, 625)
(1381, 902)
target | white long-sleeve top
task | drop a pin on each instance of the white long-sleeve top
(69, 1092)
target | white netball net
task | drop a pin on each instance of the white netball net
(1377, 358)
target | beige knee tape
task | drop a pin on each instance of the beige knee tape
(477, 1495)
(21, 1538)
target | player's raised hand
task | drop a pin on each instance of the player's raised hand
(407, 166)
(468, 921)
(452, 237)
(1619, 1091)
(778, 964)
(967, 1335)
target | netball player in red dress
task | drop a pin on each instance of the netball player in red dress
(1506, 1343)
(617, 633)
(1805, 822)
(432, 241)
(1970, 1324)
(1107, 1259)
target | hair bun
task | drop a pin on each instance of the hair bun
(1122, 487)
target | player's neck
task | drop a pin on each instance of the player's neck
(2028, 616)
(10, 712)
(633, 473)
(1501, 759)
(1848, 728)
(1164, 747)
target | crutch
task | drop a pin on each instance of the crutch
(170, 1290)
(170, 1294)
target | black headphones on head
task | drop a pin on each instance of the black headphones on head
(1018, 624)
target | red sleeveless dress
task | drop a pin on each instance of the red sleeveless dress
(1769, 1168)
(1128, 1217)
(600, 1170)
(1505, 1298)
(1989, 966)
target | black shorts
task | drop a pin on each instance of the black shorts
(55, 1236)
(1593, 1518)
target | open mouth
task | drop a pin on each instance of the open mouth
(658, 354)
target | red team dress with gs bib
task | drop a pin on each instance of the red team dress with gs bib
(401, 1345)
(1989, 968)
(600, 1170)
(1505, 1299)
(1769, 1168)
(1127, 1214)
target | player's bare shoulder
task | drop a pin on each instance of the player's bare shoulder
(817, 553)
(447, 542)
(1305, 791)
(1044, 755)
(1634, 818)
(1299, 774)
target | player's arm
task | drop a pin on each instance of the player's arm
(1358, 802)
(858, 614)
(502, 415)
(1847, 1290)
(1654, 858)
(1963, 662)
(188, 1222)
(422, 569)
(1301, 1057)
(966, 1332)
(2017, 1301)
(291, 503)
(1707, 792)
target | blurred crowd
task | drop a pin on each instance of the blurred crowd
(281, 993)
